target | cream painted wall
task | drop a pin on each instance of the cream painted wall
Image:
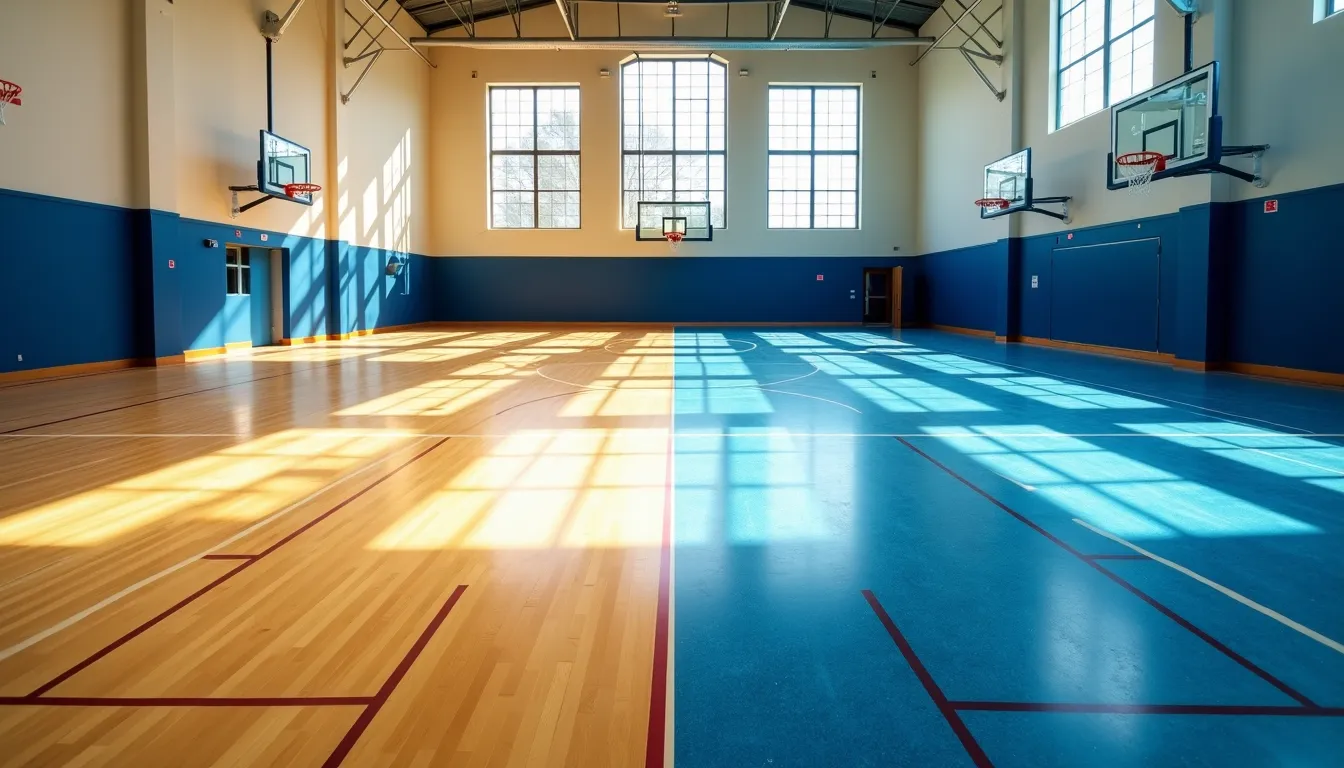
(220, 71)
(1287, 73)
(73, 136)
(962, 128)
(889, 136)
(383, 151)
(1280, 80)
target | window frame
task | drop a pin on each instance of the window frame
(1108, 39)
(813, 152)
(237, 271)
(674, 153)
(534, 152)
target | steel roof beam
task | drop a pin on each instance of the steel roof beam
(676, 43)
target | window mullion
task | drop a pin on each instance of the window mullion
(1105, 56)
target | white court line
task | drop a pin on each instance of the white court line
(1295, 461)
(809, 397)
(141, 584)
(779, 431)
(1240, 598)
(1117, 389)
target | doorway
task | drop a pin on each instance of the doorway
(882, 296)
(876, 296)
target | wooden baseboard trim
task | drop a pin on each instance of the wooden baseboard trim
(234, 346)
(205, 353)
(1097, 349)
(1193, 365)
(68, 371)
(678, 324)
(962, 331)
(1291, 374)
(170, 360)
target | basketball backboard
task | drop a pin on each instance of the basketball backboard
(658, 219)
(1176, 119)
(1009, 179)
(283, 162)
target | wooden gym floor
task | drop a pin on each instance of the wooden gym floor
(405, 549)
(547, 547)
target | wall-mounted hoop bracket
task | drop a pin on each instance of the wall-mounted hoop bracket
(1254, 176)
(235, 210)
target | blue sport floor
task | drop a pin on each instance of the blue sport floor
(916, 548)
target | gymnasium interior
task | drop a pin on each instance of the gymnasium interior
(697, 383)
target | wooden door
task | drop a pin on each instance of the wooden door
(896, 297)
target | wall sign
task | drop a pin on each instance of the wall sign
(172, 264)
(820, 278)
(265, 237)
(237, 233)
(1271, 206)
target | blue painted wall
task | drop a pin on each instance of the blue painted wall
(674, 289)
(1285, 282)
(965, 287)
(70, 288)
(369, 298)
(1106, 294)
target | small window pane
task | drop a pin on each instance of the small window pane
(534, 142)
(673, 129)
(246, 275)
(813, 176)
(231, 280)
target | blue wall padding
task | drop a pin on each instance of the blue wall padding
(964, 287)
(1285, 282)
(655, 290)
(1106, 294)
(69, 278)
(88, 283)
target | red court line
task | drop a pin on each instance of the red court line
(1144, 596)
(1119, 556)
(189, 599)
(164, 398)
(185, 701)
(389, 685)
(1146, 709)
(949, 712)
(226, 556)
(655, 751)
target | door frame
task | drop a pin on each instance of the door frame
(885, 272)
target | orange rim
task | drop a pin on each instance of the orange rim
(992, 202)
(1132, 159)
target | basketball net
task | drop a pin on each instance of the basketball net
(9, 94)
(674, 240)
(1137, 169)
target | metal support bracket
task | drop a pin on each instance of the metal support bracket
(1254, 176)
(273, 26)
(972, 48)
(345, 97)
(235, 209)
(1062, 214)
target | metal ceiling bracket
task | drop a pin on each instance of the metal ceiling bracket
(780, 8)
(877, 27)
(362, 24)
(345, 97)
(567, 12)
(946, 32)
(404, 41)
(968, 53)
(274, 26)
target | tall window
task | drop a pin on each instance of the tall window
(237, 272)
(534, 157)
(1336, 6)
(1105, 55)
(814, 157)
(672, 127)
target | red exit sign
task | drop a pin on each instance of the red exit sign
(820, 278)
(1271, 206)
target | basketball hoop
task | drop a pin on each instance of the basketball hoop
(1137, 168)
(674, 239)
(9, 94)
(993, 203)
(302, 190)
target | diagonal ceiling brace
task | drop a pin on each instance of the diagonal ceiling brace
(566, 15)
(780, 8)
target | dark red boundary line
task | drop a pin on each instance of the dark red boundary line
(184, 602)
(1146, 709)
(655, 751)
(940, 700)
(227, 556)
(187, 701)
(1144, 596)
(162, 399)
(390, 684)
(1120, 556)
